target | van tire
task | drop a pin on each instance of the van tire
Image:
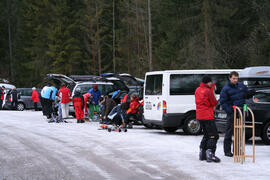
(170, 129)
(266, 134)
(192, 125)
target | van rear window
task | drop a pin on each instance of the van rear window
(154, 84)
(186, 84)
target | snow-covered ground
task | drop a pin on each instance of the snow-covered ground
(31, 148)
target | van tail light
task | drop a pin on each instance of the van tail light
(164, 107)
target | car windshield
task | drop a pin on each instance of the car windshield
(104, 88)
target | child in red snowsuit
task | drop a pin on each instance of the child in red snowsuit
(78, 102)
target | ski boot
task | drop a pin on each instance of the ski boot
(210, 156)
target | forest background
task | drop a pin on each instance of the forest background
(133, 36)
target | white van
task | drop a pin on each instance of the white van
(169, 99)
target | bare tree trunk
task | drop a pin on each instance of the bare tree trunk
(98, 41)
(150, 36)
(11, 71)
(93, 48)
(137, 61)
(114, 62)
(128, 65)
(206, 7)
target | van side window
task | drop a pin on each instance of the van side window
(186, 84)
(154, 85)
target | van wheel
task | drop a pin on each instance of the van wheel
(170, 129)
(266, 134)
(20, 107)
(192, 125)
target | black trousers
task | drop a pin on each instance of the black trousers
(210, 135)
(47, 107)
(228, 134)
(35, 105)
(1, 103)
(14, 104)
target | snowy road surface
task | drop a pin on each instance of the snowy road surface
(30, 148)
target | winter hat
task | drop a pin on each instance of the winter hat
(95, 86)
(33, 88)
(206, 79)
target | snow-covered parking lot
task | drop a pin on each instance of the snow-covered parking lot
(31, 148)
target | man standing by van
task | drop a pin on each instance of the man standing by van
(205, 106)
(233, 94)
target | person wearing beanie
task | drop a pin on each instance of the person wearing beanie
(34, 98)
(95, 94)
(205, 106)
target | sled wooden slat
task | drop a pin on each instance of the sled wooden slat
(239, 146)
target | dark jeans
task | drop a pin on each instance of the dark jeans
(1, 103)
(228, 133)
(210, 135)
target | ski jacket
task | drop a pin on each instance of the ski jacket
(2, 94)
(205, 102)
(96, 95)
(34, 97)
(133, 106)
(46, 92)
(78, 100)
(14, 95)
(54, 93)
(64, 94)
(233, 95)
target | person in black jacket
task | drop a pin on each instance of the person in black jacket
(233, 94)
(14, 97)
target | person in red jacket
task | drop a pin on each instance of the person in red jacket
(65, 95)
(2, 95)
(34, 98)
(78, 102)
(205, 106)
(133, 108)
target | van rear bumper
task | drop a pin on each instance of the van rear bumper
(168, 120)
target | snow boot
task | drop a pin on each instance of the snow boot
(202, 155)
(82, 121)
(78, 121)
(210, 156)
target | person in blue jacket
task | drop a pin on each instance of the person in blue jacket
(95, 95)
(46, 100)
(234, 93)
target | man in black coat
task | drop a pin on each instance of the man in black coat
(14, 95)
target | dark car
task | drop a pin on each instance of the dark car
(24, 99)
(260, 105)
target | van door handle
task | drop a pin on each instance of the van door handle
(146, 97)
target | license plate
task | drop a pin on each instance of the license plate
(222, 115)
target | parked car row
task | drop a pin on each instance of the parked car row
(24, 99)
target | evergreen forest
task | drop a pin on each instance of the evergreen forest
(86, 37)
